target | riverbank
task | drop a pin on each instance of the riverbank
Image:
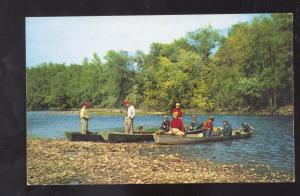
(283, 111)
(63, 162)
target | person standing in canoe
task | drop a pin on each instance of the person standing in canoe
(208, 126)
(84, 118)
(179, 112)
(129, 117)
(176, 125)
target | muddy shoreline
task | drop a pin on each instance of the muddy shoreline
(63, 162)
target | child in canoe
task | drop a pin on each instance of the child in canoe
(165, 126)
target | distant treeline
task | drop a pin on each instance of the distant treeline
(248, 70)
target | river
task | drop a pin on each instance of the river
(272, 144)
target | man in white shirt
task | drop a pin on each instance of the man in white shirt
(129, 116)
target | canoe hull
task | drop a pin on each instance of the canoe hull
(77, 136)
(109, 137)
(122, 137)
(177, 140)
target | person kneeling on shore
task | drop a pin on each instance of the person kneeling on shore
(176, 126)
(84, 118)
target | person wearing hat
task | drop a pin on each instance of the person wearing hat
(208, 126)
(176, 125)
(179, 113)
(129, 117)
(227, 129)
(84, 117)
(178, 110)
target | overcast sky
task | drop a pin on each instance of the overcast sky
(70, 39)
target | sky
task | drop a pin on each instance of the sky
(70, 39)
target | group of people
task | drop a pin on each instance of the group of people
(175, 126)
(128, 120)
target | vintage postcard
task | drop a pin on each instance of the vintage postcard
(160, 99)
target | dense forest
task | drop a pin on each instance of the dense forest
(249, 69)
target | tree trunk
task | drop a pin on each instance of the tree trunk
(274, 88)
(275, 98)
(271, 101)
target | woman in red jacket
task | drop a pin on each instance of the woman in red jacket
(176, 126)
(179, 114)
(178, 110)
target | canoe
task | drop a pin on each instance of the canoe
(115, 137)
(112, 137)
(77, 136)
(195, 139)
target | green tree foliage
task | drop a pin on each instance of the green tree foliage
(260, 54)
(203, 41)
(250, 69)
(120, 76)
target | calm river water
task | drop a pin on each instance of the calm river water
(272, 144)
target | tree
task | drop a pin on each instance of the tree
(119, 77)
(203, 41)
(250, 69)
(260, 53)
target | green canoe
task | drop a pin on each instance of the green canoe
(110, 137)
(77, 136)
(123, 137)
